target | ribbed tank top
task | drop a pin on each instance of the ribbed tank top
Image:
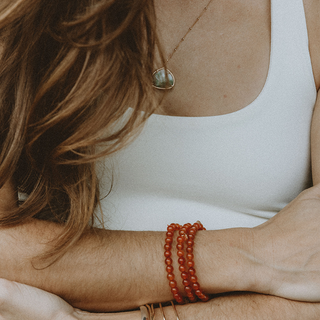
(232, 170)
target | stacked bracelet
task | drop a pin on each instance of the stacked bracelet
(183, 236)
(167, 253)
(190, 262)
(189, 279)
(148, 312)
(162, 312)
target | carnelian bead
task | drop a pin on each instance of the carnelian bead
(167, 254)
(190, 256)
(182, 268)
(189, 250)
(190, 264)
(191, 237)
(186, 282)
(180, 246)
(192, 271)
(184, 275)
(170, 234)
(180, 239)
(192, 297)
(187, 289)
(196, 286)
(178, 298)
(201, 296)
(172, 283)
(198, 292)
(169, 240)
(205, 299)
(190, 243)
(169, 269)
(192, 231)
(168, 261)
(182, 231)
(174, 290)
(170, 228)
(170, 276)
(193, 279)
(181, 260)
(197, 225)
(180, 253)
(167, 247)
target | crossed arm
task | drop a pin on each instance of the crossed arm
(122, 270)
(113, 270)
(21, 301)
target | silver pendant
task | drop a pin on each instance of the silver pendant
(163, 79)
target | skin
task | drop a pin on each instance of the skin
(229, 45)
(211, 46)
(246, 23)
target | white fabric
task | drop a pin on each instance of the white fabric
(232, 170)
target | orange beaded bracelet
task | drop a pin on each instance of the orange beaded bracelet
(190, 261)
(168, 261)
(187, 234)
(183, 236)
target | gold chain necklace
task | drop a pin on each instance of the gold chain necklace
(163, 78)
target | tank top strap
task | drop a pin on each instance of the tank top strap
(289, 36)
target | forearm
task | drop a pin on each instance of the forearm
(113, 270)
(245, 307)
(228, 307)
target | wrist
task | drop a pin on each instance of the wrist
(82, 315)
(229, 263)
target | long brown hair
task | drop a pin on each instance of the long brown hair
(69, 71)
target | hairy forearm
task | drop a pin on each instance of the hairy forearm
(120, 270)
(234, 306)
(249, 306)
(114, 270)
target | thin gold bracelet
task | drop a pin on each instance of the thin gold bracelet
(151, 311)
(161, 309)
(175, 310)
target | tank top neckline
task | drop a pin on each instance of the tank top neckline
(276, 50)
(244, 110)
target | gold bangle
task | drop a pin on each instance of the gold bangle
(175, 310)
(151, 311)
(161, 309)
(144, 313)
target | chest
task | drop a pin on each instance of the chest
(222, 64)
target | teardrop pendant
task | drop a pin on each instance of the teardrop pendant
(163, 79)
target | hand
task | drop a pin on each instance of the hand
(19, 301)
(287, 249)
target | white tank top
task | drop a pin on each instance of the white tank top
(233, 170)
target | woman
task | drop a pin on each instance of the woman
(69, 74)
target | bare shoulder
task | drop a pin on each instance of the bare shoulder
(312, 10)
